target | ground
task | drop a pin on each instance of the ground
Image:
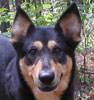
(85, 81)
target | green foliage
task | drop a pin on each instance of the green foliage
(47, 13)
(86, 80)
(87, 15)
(92, 92)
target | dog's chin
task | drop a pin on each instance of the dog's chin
(47, 88)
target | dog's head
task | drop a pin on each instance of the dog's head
(45, 52)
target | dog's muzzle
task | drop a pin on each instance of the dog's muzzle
(46, 79)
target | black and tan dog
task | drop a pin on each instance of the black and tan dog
(45, 66)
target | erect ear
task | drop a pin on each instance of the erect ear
(20, 26)
(69, 24)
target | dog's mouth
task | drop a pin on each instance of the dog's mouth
(47, 88)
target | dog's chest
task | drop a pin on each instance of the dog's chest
(46, 96)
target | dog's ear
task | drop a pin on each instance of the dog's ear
(20, 26)
(69, 24)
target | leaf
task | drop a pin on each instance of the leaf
(24, 4)
(3, 9)
(46, 6)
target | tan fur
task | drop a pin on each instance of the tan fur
(64, 82)
(66, 71)
(19, 28)
(46, 95)
(72, 24)
(51, 44)
(27, 72)
(30, 74)
(38, 45)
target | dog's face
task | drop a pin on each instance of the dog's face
(45, 53)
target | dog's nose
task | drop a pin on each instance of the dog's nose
(46, 77)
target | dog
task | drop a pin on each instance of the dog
(44, 67)
(7, 53)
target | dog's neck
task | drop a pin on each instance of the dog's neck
(45, 95)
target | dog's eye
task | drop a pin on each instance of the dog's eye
(33, 52)
(56, 50)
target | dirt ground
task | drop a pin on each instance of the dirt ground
(85, 81)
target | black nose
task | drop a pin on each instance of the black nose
(46, 77)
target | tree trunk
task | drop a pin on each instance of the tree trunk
(4, 25)
(78, 1)
(68, 3)
(28, 0)
(18, 3)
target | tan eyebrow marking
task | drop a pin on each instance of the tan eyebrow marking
(51, 44)
(38, 45)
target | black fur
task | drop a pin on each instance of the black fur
(7, 53)
(15, 87)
